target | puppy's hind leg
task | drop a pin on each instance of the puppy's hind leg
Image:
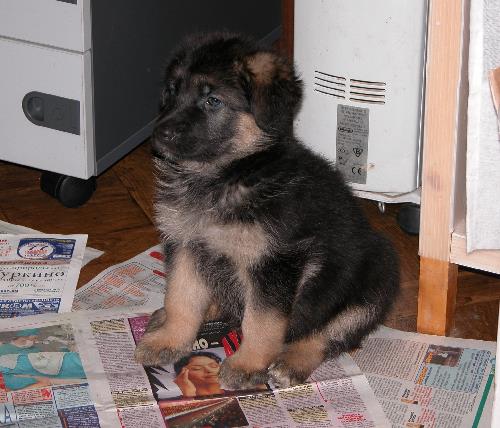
(343, 333)
(172, 330)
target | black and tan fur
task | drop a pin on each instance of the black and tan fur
(257, 228)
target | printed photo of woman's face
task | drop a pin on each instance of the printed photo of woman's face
(203, 370)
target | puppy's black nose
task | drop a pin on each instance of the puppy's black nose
(165, 134)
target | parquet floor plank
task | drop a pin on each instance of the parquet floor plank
(136, 174)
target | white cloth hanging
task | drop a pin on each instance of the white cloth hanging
(483, 142)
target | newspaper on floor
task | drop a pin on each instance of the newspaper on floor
(16, 229)
(135, 282)
(39, 273)
(430, 381)
(78, 370)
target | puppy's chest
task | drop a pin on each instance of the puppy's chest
(244, 243)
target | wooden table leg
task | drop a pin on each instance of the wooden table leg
(437, 293)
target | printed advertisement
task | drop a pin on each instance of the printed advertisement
(138, 281)
(39, 273)
(16, 229)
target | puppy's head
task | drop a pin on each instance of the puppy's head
(224, 98)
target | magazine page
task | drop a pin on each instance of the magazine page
(78, 370)
(188, 392)
(16, 229)
(429, 381)
(39, 273)
(138, 281)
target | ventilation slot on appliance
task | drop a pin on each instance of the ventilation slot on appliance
(329, 84)
(366, 91)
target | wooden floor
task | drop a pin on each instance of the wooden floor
(118, 220)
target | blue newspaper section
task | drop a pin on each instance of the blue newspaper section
(46, 249)
(80, 417)
(21, 308)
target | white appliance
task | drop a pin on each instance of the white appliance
(362, 63)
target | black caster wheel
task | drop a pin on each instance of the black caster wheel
(409, 218)
(72, 192)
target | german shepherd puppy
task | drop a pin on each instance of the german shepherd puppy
(257, 228)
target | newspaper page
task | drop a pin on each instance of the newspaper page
(78, 370)
(50, 376)
(16, 229)
(39, 273)
(138, 281)
(429, 381)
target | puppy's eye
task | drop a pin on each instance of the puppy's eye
(213, 102)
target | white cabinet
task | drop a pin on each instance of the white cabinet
(58, 23)
(46, 108)
(30, 69)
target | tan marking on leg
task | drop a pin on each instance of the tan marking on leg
(263, 338)
(349, 321)
(305, 355)
(186, 302)
(311, 269)
(298, 360)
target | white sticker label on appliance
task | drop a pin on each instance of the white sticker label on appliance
(352, 142)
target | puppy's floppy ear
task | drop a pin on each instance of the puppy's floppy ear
(274, 91)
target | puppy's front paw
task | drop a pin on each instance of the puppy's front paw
(150, 354)
(284, 376)
(233, 377)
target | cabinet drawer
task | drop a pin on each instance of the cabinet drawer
(46, 108)
(59, 23)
